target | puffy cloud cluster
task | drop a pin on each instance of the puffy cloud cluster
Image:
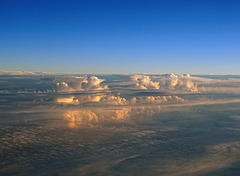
(94, 117)
(81, 83)
(37, 83)
(85, 99)
(118, 100)
(115, 100)
(144, 82)
(79, 117)
(169, 81)
(178, 82)
(163, 99)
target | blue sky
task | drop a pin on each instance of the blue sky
(124, 36)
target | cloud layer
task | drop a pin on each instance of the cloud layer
(126, 125)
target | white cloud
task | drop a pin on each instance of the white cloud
(144, 82)
(81, 83)
(3, 72)
(231, 85)
(168, 81)
(177, 82)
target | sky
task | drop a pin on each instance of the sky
(134, 36)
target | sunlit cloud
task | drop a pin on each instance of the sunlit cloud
(177, 82)
(109, 99)
(166, 84)
(79, 83)
(97, 116)
(144, 82)
(70, 100)
(169, 81)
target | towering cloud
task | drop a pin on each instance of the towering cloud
(144, 82)
(97, 116)
(178, 82)
(168, 81)
(81, 83)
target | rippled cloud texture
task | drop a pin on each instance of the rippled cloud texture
(170, 125)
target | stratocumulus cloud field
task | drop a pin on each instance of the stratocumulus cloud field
(169, 125)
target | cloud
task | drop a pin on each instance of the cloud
(81, 83)
(4, 91)
(105, 99)
(109, 99)
(70, 100)
(217, 157)
(166, 84)
(144, 82)
(44, 83)
(80, 117)
(160, 99)
(110, 115)
(230, 86)
(101, 168)
(97, 116)
(22, 73)
(168, 81)
(115, 100)
(177, 82)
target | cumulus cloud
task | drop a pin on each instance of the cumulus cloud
(161, 99)
(81, 83)
(79, 117)
(94, 99)
(109, 99)
(144, 82)
(40, 126)
(115, 100)
(96, 116)
(168, 81)
(177, 82)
